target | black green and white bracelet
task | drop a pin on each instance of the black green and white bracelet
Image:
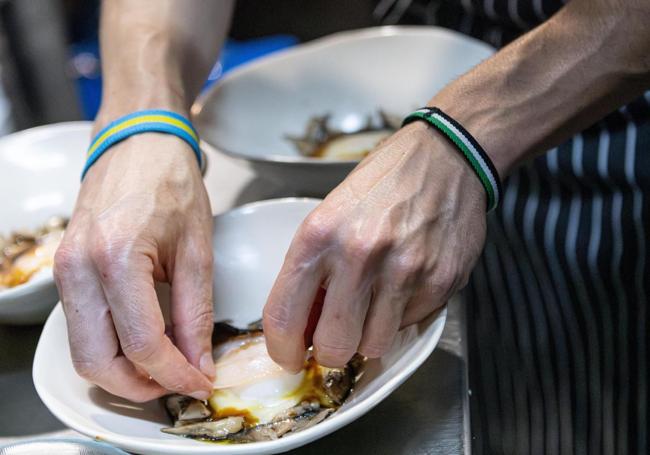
(470, 148)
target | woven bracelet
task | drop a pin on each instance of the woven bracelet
(468, 146)
(148, 121)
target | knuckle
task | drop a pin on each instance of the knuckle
(358, 249)
(364, 247)
(200, 318)
(101, 255)
(333, 353)
(383, 241)
(87, 369)
(178, 387)
(406, 270)
(110, 260)
(444, 280)
(374, 349)
(139, 348)
(67, 260)
(276, 320)
(316, 230)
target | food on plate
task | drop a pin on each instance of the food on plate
(24, 253)
(254, 399)
(322, 141)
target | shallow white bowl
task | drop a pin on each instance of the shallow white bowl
(348, 75)
(249, 246)
(39, 178)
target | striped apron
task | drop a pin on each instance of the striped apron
(557, 305)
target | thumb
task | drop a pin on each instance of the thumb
(191, 307)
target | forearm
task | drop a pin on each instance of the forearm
(590, 58)
(158, 54)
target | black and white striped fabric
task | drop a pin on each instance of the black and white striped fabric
(557, 305)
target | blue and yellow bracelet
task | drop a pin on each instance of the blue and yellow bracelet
(148, 121)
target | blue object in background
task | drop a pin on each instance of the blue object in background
(235, 53)
(87, 68)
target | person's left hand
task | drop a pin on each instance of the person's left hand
(390, 245)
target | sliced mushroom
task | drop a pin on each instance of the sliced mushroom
(212, 429)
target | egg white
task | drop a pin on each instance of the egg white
(262, 400)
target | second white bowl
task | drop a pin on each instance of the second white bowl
(349, 75)
(40, 170)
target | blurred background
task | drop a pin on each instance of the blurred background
(50, 67)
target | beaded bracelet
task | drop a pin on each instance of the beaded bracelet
(468, 146)
(147, 121)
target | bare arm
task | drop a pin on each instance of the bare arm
(592, 57)
(143, 214)
(402, 233)
(158, 54)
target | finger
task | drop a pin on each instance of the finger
(314, 316)
(382, 322)
(288, 307)
(127, 281)
(94, 346)
(423, 303)
(120, 377)
(434, 292)
(340, 326)
(191, 306)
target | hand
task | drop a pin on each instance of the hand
(142, 216)
(390, 244)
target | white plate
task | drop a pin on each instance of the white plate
(249, 245)
(349, 75)
(39, 178)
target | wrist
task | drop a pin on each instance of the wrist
(486, 124)
(142, 123)
(466, 146)
(448, 162)
(146, 157)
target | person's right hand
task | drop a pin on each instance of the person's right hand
(142, 216)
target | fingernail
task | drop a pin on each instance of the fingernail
(206, 365)
(200, 395)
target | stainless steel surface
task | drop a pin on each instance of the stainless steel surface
(428, 414)
(21, 411)
(60, 447)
